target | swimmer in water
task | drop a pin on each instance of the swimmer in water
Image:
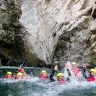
(92, 76)
(60, 76)
(19, 76)
(8, 75)
(43, 75)
(24, 74)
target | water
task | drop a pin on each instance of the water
(36, 87)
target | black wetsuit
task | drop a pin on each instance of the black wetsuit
(53, 72)
(84, 70)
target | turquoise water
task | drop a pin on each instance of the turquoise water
(36, 87)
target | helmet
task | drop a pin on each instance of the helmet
(92, 70)
(9, 73)
(43, 71)
(19, 74)
(73, 63)
(60, 74)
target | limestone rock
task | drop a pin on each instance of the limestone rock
(59, 29)
(92, 26)
(50, 29)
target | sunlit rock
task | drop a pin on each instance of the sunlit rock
(50, 29)
(59, 29)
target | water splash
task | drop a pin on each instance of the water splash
(72, 78)
(35, 88)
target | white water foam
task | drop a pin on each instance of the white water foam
(50, 89)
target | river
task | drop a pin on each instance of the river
(36, 87)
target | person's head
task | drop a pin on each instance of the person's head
(43, 72)
(21, 70)
(9, 74)
(19, 74)
(92, 72)
(60, 76)
(57, 64)
(74, 64)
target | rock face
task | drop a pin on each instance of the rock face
(59, 29)
(52, 29)
(10, 28)
(14, 49)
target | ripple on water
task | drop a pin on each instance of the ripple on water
(35, 87)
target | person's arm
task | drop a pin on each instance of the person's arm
(84, 70)
(69, 74)
(68, 71)
(52, 74)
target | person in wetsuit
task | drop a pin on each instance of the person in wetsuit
(83, 70)
(78, 72)
(60, 76)
(91, 77)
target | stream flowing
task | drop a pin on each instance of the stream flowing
(37, 87)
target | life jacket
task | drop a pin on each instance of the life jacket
(16, 77)
(75, 71)
(43, 77)
(8, 77)
(91, 79)
(61, 81)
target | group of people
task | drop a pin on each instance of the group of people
(75, 70)
(21, 74)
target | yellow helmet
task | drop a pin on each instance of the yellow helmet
(73, 63)
(9, 73)
(43, 71)
(92, 70)
(19, 74)
(60, 74)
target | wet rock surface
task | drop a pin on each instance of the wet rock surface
(13, 35)
(51, 29)
(63, 30)
(10, 29)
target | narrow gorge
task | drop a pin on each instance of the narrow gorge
(47, 31)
